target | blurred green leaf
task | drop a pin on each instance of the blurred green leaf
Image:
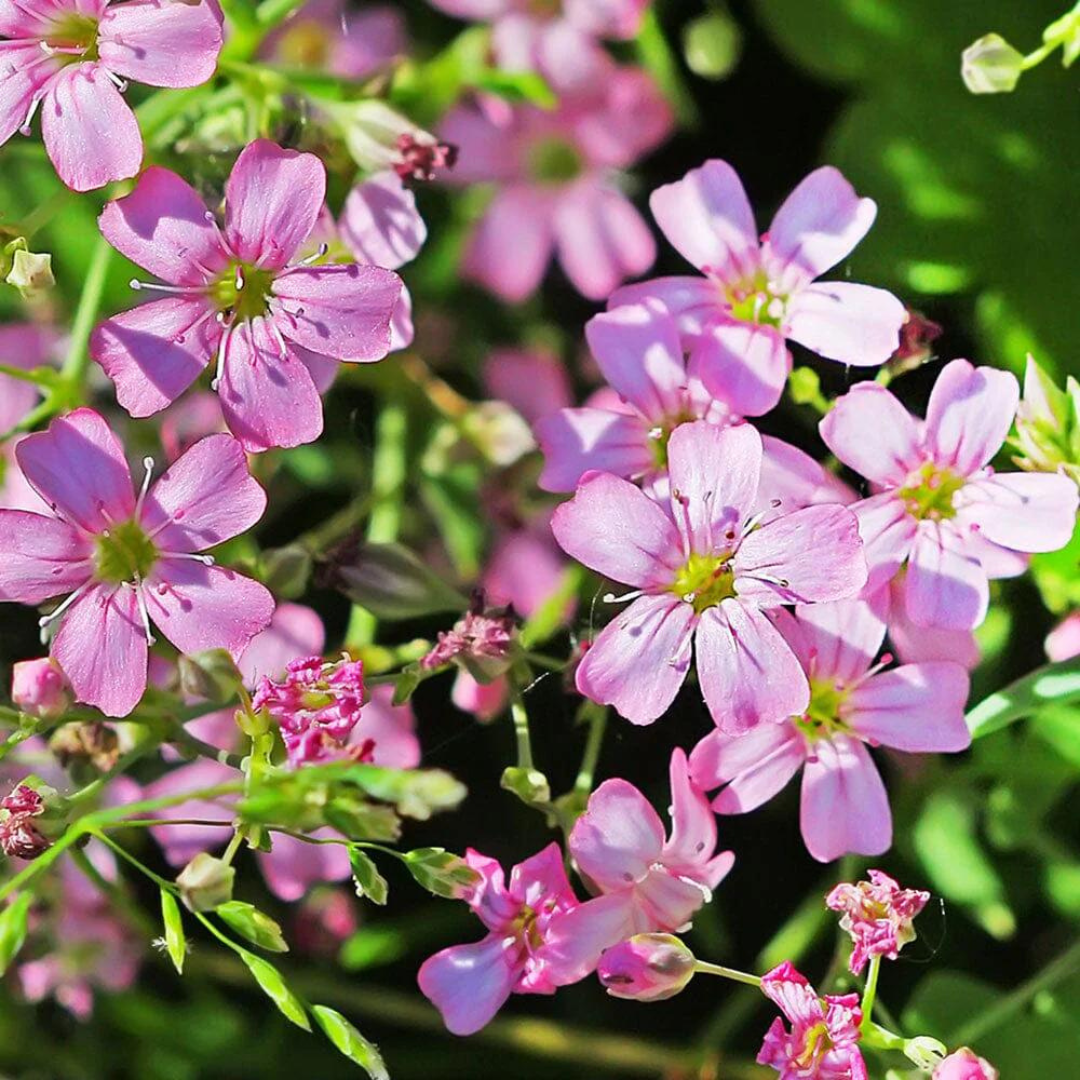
(249, 922)
(1051, 684)
(13, 927)
(272, 983)
(441, 872)
(369, 882)
(350, 1042)
(175, 939)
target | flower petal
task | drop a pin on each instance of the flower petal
(201, 607)
(294, 631)
(180, 843)
(101, 645)
(469, 984)
(819, 224)
(577, 441)
(839, 640)
(208, 496)
(870, 431)
(945, 586)
(707, 218)
(161, 44)
(380, 224)
(693, 824)
(90, 133)
(640, 659)
(917, 707)
(746, 366)
(616, 530)
(747, 671)
(339, 311)
(78, 468)
(24, 75)
(844, 806)
(512, 243)
(969, 414)
(155, 351)
(668, 901)
(1022, 511)
(575, 940)
(888, 532)
(391, 727)
(294, 866)
(541, 877)
(272, 201)
(754, 767)
(43, 557)
(692, 301)
(855, 324)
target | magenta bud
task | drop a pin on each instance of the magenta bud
(965, 1064)
(646, 967)
(20, 836)
(40, 688)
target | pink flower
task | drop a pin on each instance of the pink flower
(703, 572)
(754, 294)
(468, 984)
(918, 708)
(73, 57)
(316, 706)
(647, 967)
(554, 173)
(823, 1041)
(482, 641)
(965, 1064)
(237, 293)
(485, 701)
(40, 688)
(1063, 642)
(331, 38)
(912, 643)
(939, 507)
(559, 40)
(648, 882)
(534, 381)
(878, 915)
(124, 561)
(24, 346)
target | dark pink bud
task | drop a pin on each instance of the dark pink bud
(647, 967)
(965, 1064)
(20, 838)
(421, 158)
(40, 688)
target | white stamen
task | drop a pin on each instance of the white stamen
(120, 84)
(144, 611)
(322, 250)
(611, 598)
(180, 290)
(45, 620)
(148, 465)
(216, 382)
(206, 560)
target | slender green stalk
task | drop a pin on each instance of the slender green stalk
(73, 371)
(44, 212)
(870, 992)
(703, 968)
(593, 745)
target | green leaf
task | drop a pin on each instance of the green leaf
(712, 44)
(441, 872)
(13, 925)
(350, 1042)
(373, 946)
(249, 922)
(1052, 684)
(175, 939)
(529, 785)
(274, 986)
(517, 87)
(369, 882)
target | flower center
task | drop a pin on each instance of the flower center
(822, 719)
(304, 45)
(752, 300)
(124, 553)
(243, 291)
(75, 35)
(704, 581)
(817, 1043)
(930, 491)
(554, 161)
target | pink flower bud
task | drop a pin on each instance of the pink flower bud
(965, 1064)
(40, 688)
(20, 837)
(647, 967)
(482, 642)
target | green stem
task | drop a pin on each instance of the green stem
(44, 212)
(126, 855)
(744, 977)
(41, 863)
(870, 992)
(593, 745)
(73, 371)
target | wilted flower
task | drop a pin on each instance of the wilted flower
(483, 642)
(40, 688)
(30, 272)
(380, 138)
(205, 882)
(20, 837)
(646, 967)
(878, 915)
(965, 1064)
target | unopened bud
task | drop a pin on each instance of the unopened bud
(991, 65)
(378, 138)
(40, 688)
(210, 676)
(206, 882)
(647, 967)
(965, 1064)
(1048, 424)
(30, 273)
(287, 570)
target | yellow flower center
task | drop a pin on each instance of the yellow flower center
(824, 715)
(243, 291)
(704, 581)
(124, 553)
(930, 492)
(752, 300)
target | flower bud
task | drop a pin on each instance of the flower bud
(25, 817)
(210, 676)
(378, 138)
(991, 65)
(1048, 424)
(206, 882)
(965, 1064)
(647, 967)
(483, 642)
(30, 273)
(40, 688)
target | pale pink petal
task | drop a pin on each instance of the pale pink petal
(469, 984)
(754, 767)
(714, 476)
(813, 554)
(294, 631)
(607, 18)
(747, 672)
(373, 38)
(78, 468)
(616, 530)
(272, 201)
(870, 431)
(512, 243)
(1022, 511)
(487, 141)
(208, 496)
(101, 645)
(201, 607)
(844, 806)
(855, 324)
(640, 659)
(794, 479)
(24, 346)
(541, 877)
(180, 843)
(154, 352)
(997, 561)
(693, 824)
(340, 311)
(485, 701)
(945, 585)
(917, 707)
(43, 557)
(576, 441)
(707, 218)
(293, 866)
(267, 397)
(391, 727)
(669, 901)
(888, 532)
(570, 60)
(489, 899)
(1063, 642)
(162, 226)
(638, 350)
(160, 44)
(601, 239)
(819, 224)
(91, 135)
(402, 331)
(692, 301)
(916, 644)
(24, 75)
(380, 224)
(838, 641)
(535, 382)
(746, 366)
(478, 10)
(626, 117)
(524, 570)
(575, 940)
(322, 369)
(969, 414)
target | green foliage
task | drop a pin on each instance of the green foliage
(273, 984)
(369, 882)
(350, 1042)
(250, 923)
(175, 939)
(13, 928)
(441, 872)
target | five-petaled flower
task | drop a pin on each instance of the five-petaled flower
(704, 571)
(72, 58)
(125, 560)
(237, 293)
